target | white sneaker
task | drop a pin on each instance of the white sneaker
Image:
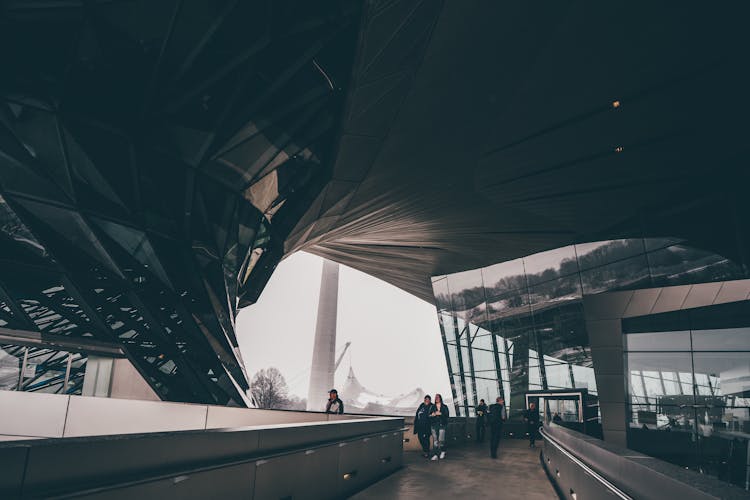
(434, 457)
(442, 455)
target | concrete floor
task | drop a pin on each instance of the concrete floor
(467, 472)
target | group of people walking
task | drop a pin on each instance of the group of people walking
(431, 420)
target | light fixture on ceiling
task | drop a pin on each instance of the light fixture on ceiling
(615, 104)
(618, 149)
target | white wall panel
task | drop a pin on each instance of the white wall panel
(32, 414)
(100, 416)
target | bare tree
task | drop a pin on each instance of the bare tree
(268, 389)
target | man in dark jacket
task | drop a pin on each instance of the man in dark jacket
(497, 417)
(422, 424)
(481, 413)
(334, 404)
(531, 416)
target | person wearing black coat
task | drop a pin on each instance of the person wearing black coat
(496, 416)
(422, 424)
(481, 416)
(531, 416)
(439, 425)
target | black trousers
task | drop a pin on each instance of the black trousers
(480, 430)
(496, 432)
(424, 440)
(532, 429)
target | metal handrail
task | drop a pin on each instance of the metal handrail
(588, 470)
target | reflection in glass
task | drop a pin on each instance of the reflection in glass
(626, 274)
(442, 296)
(504, 277)
(10, 369)
(600, 253)
(652, 379)
(679, 265)
(658, 341)
(725, 339)
(554, 293)
(466, 290)
(545, 266)
(723, 374)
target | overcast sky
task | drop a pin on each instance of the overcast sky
(395, 336)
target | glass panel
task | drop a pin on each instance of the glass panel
(14, 230)
(658, 341)
(655, 243)
(554, 293)
(460, 401)
(453, 356)
(561, 332)
(483, 340)
(10, 367)
(465, 359)
(535, 375)
(448, 327)
(729, 374)
(513, 305)
(45, 371)
(504, 277)
(558, 373)
(622, 275)
(506, 388)
(466, 291)
(545, 266)
(484, 361)
(442, 296)
(487, 389)
(666, 432)
(678, 264)
(727, 339)
(46, 301)
(652, 375)
(584, 378)
(600, 253)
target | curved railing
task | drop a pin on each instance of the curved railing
(581, 466)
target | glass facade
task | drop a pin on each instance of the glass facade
(688, 380)
(518, 325)
(35, 369)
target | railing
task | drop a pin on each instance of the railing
(25, 415)
(309, 460)
(583, 467)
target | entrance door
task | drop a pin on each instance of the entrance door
(562, 407)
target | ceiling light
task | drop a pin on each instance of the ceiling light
(615, 104)
(618, 149)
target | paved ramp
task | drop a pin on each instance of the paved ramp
(468, 472)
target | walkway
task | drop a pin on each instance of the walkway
(468, 472)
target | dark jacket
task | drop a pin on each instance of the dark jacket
(335, 406)
(531, 416)
(481, 413)
(497, 414)
(442, 419)
(422, 418)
